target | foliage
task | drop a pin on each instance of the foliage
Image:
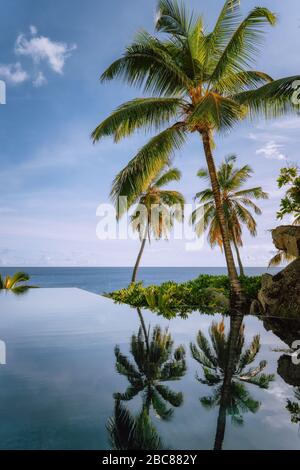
(13, 282)
(290, 204)
(236, 202)
(213, 357)
(155, 362)
(208, 294)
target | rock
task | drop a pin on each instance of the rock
(288, 371)
(280, 294)
(287, 238)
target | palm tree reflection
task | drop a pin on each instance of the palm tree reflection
(155, 362)
(226, 366)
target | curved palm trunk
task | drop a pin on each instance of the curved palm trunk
(232, 359)
(138, 260)
(242, 273)
(232, 272)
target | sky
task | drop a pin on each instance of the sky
(52, 178)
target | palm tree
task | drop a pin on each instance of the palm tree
(156, 210)
(225, 366)
(281, 257)
(200, 83)
(128, 432)
(155, 363)
(12, 282)
(235, 201)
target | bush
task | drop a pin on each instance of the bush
(208, 294)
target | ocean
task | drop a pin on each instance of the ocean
(108, 279)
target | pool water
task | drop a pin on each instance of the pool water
(71, 356)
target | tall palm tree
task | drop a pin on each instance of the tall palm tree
(235, 200)
(225, 365)
(155, 363)
(13, 282)
(200, 82)
(156, 210)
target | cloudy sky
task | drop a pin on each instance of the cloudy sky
(52, 178)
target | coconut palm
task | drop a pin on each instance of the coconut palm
(226, 367)
(156, 210)
(235, 200)
(200, 82)
(13, 282)
(155, 363)
(128, 432)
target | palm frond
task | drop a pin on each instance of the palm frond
(173, 174)
(271, 100)
(147, 113)
(135, 178)
(242, 48)
(148, 64)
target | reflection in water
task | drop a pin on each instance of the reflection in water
(155, 362)
(288, 330)
(226, 367)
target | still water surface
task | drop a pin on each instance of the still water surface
(72, 355)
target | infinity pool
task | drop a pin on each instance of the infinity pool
(71, 356)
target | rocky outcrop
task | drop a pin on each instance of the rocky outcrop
(287, 238)
(280, 294)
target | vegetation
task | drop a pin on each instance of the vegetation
(200, 82)
(156, 210)
(226, 367)
(13, 282)
(235, 202)
(208, 294)
(290, 205)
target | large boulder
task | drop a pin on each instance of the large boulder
(287, 238)
(280, 294)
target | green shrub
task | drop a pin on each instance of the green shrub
(208, 294)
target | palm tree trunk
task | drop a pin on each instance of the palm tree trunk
(242, 273)
(232, 359)
(232, 272)
(137, 263)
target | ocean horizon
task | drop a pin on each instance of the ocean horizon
(100, 280)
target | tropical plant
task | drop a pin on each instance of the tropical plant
(128, 432)
(13, 282)
(235, 200)
(281, 257)
(155, 363)
(156, 210)
(290, 204)
(294, 407)
(215, 361)
(202, 84)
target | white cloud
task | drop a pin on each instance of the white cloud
(271, 150)
(286, 124)
(42, 48)
(39, 79)
(13, 73)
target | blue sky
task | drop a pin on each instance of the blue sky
(51, 176)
